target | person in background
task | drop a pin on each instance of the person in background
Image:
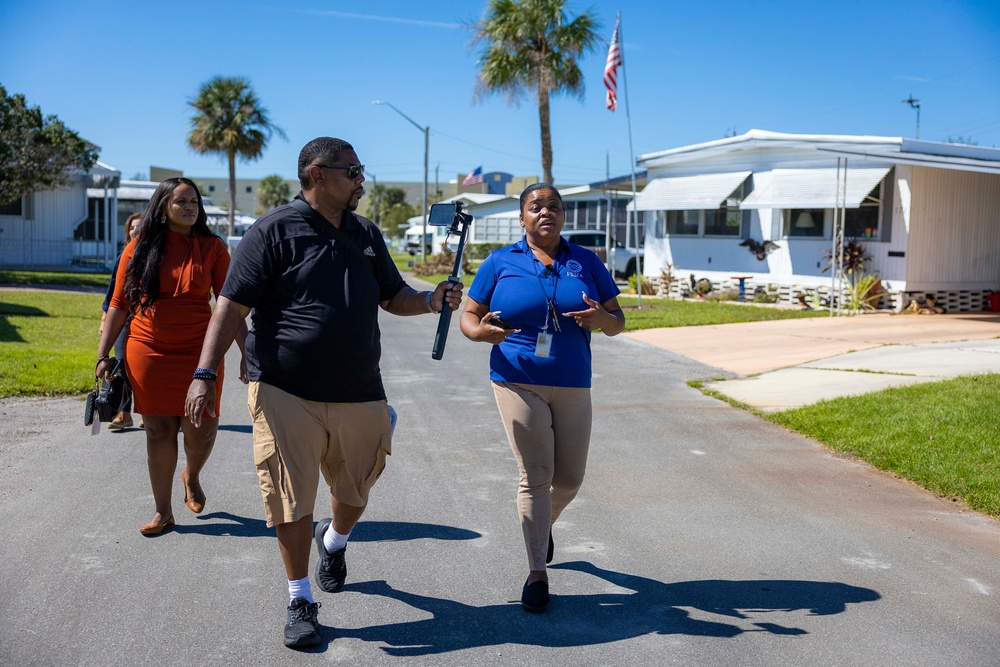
(124, 418)
(165, 279)
(312, 275)
(549, 295)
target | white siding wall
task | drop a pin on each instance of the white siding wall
(954, 231)
(13, 250)
(46, 239)
(58, 212)
(892, 269)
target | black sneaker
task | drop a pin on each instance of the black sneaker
(331, 568)
(302, 629)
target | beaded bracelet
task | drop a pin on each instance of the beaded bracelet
(205, 374)
(430, 308)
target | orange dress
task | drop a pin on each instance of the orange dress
(164, 346)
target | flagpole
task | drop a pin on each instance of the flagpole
(631, 160)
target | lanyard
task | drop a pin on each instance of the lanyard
(551, 303)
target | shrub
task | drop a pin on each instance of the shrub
(443, 262)
(667, 278)
(863, 292)
(855, 257)
(647, 286)
(723, 295)
(482, 250)
(763, 295)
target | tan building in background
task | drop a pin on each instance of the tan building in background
(159, 174)
(217, 189)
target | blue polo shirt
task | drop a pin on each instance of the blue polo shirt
(512, 281)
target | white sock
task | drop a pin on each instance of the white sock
(300, 589)
(334, 541)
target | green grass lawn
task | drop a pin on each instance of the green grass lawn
(48, 342)
(657, 313)
(402, 260)
(944, 435)
(55, 278)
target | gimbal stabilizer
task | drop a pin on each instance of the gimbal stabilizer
(449, 215)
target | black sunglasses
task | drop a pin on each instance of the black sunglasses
(353, 170)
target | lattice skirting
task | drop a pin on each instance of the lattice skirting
(957, 301)
(953, 301)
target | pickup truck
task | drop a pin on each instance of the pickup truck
(592, 239)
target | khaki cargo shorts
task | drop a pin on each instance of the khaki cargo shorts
(294, 439)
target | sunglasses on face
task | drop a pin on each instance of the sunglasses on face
(353, 170)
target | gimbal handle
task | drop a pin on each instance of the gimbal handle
(460, 225)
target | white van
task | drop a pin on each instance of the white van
(592, 239)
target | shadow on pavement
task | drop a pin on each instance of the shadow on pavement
(399, 531)
(226, 524)
(583, 620)
(237, 428)
(219, 524)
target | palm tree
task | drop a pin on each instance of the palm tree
(273, 191)
(530, 46)
(230, 121)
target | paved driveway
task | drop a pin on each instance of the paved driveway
(702, 536)
(790, 363)
(759, 347)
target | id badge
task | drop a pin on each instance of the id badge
(543, 345)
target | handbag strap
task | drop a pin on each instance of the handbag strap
(323, 226)
(116, 368)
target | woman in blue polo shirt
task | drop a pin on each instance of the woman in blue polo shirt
(544, 297)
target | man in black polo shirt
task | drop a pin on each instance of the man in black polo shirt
(312, 275)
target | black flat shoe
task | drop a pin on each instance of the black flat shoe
(552, 549)
(535, 597)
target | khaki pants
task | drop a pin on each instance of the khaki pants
(294, 439)
(549, 431)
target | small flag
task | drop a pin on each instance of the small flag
(611, 69)
(475, 177)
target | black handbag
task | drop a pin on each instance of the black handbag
(106, 400)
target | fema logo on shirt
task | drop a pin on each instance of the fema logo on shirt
(573, 269)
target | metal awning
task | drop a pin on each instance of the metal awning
(684, 193)
(812, 188)
(101, 175)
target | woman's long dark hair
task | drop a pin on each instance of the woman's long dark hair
(142, 277)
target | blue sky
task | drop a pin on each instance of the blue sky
(121, 74)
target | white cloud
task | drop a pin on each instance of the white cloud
(376, 17)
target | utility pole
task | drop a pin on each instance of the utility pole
(914, 104)
(426, 129)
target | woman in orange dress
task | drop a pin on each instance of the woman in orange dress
(165, 279)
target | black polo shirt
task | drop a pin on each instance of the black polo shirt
(314, 324)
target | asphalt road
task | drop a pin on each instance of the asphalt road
(702, 536)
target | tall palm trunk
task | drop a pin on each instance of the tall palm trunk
(543, 121)
(232, 193)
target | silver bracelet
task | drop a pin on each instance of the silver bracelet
(430, 308)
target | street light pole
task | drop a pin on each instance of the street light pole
(372, 212)
(427, 132)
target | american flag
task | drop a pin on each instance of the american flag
(611, 69)
(475, 177)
